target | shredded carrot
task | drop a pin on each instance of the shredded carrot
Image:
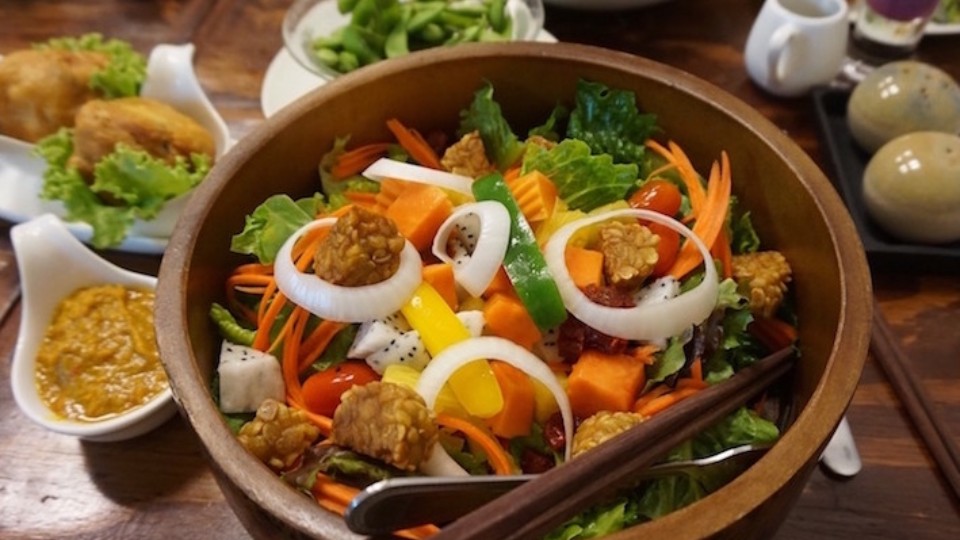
(721, 250)
(336, 497)
(363, 199)
(501, 462)
(696, 370)
(645, 353)
(691, 180)
(774, 333)
(289, 365)
(414, 143)
(650, 395)
(511, 174)
(355, 161)
(254, 268)
(661, 169)
(710, 220)
(691, 383)
(662, 403)
(317, 342)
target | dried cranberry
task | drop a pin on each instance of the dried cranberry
(554, 434)
(609, 296)
(532, 462)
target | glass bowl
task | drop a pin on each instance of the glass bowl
(309, 20)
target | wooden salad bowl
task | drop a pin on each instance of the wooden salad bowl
(792, 203)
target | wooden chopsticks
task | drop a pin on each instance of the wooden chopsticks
(535, 508)
(933, 430)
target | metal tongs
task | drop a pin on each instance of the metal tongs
(531, 507)
(400, 503)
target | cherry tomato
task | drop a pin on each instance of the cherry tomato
(667, 249)
(658, 195)
(322, 390)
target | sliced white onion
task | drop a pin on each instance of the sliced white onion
(398, 170)
(346, 304)
(475, 272)
(435, 375)
(641, 322)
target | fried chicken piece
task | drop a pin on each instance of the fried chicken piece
(41, 90)
(140, 123)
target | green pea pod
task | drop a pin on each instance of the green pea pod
(346, 6)
(347, 61)
(497, 14)
(423, 15)
(523, 262)
(456, 20)
(334, 40)
(363, 12)
(354, 42)
(327, 57)
(432, 34)
(465, 35)
(396, 44)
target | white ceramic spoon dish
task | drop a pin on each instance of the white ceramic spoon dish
(171, 79)
(52, 265)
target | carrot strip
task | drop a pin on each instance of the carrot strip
(254, 268)
(691, 383)
(696, 370)
(690, 178)
(511, 175)
(317, 342)
(721, 250)
(663, 402)
(236, 280)
(661, 169)
(418, 533)
(710, 221)
(775, 334)
(501, 462)
(411, 141)
(335, 491)
(355, 161)
(363, 199)
(331, 505)
(289, 365)
(651, 395)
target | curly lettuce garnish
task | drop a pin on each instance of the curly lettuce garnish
(610, 123)
(136, 184)
(485, 117)
(122, 77)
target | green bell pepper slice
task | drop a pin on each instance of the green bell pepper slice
(524, 262)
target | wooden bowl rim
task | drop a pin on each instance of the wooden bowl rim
(800, 444)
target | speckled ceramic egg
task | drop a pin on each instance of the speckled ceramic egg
(912, 187)
(903, 97)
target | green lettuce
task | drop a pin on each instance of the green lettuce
(336, 351)
(122, 77)
(743, 237)
(610, 123)
(550, 129)
(583, 181)
(655, 498)
(127, 184)
(485, 117)
(271, 223)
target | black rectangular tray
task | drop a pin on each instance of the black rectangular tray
(849, 162)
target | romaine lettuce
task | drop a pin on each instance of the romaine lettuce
(583, 181)
(271, 223)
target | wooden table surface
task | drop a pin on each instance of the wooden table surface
(158, 485)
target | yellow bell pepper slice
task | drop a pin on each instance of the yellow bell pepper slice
(474, 384)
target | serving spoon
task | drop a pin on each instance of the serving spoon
(400, 503)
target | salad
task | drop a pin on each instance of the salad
(495, 304)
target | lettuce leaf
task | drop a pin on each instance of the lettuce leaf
(550, 129)
(583, 181)
(485, 117)
(122, 77)
(271, 223)
(610, 123)
(743, 237)
(136, 184)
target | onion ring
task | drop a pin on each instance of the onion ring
(660, 320)
(346, 304)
